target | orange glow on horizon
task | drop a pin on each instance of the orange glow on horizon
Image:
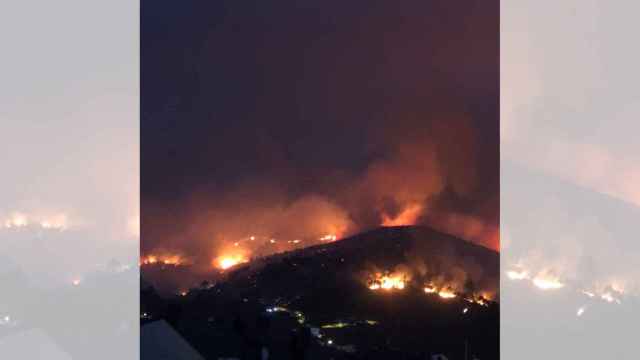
(408, 216)
(225, 262)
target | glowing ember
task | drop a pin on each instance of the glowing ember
(547, 283)
(408, 216)
(226, 262)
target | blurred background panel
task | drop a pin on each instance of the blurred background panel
(570, 180)
(69, 185)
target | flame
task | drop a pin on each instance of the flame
(329, 237)
(430, 289)
(225, 262)
(408, 216)
(173, 260)
(446, 294)
(547, 282)
(388, 282)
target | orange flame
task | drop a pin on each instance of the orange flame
(388, 282)
(173, 260)
(408, 216)
(225, 262)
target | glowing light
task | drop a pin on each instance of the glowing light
(388, 282)
(547, 283)
(134, 226)
(408, 216)
(151, 259)
(429, 289)
(446, 294)
(588, 293)
(580, 311)
(172, 260)
(19, 220)
(329, 237)
(76, 282)
(465, 310)
(517, 275)
(58, 222)
(228, 261)
(608, 297)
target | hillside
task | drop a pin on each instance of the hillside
(342, 290)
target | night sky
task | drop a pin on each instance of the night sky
(246, 99)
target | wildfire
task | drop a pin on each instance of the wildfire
(228, 261)
(388, 282)
(21, 220)
(173, 260)
(444, 292)
(544, 280)
(429, 289)
(408, 216)
(547, 283)
(329, 237)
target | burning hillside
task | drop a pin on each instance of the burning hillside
(387, 259)
(372, 285)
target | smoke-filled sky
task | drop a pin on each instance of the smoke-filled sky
(307, 118)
